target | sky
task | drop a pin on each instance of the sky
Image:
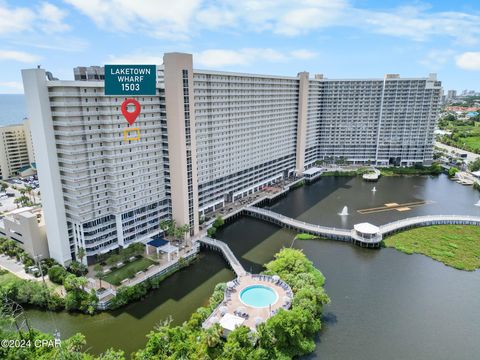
(337, 38)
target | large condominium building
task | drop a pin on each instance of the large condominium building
(16, 150)
(206, 139)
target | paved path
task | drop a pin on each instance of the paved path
(11, 265)
(470, 156)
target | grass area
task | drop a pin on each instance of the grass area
(305, 236)
(358, 172)
(128, 270)
(435, 169)
(465, 135)
(6, 277)
(457, 246)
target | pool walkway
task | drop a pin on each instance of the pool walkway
(249, 315)
(227, 253)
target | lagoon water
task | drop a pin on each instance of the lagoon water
(385, 304)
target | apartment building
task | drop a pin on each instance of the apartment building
(16, 150)
(98, 190)
(384, 121)
(26, 226)
(207, 138)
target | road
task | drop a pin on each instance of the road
(470, 156)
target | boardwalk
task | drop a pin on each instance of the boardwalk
(351, 235)
(429, 220)
(285, 221)
(225, 249)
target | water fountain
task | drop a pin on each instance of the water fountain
(344, 211)
(374, 189)
(478, 203)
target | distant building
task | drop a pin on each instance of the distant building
(26, 226)
(90, 73)
(452, 94)
(16, 150)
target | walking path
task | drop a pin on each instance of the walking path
(352, 235)
(225, 249)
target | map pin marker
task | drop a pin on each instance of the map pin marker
(131, 116)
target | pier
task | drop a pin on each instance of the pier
(372, 238)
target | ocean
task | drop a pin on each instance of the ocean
(12, 109)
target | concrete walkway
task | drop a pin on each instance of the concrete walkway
(470, 156)
(16, 268)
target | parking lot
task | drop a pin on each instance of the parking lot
(7, 198)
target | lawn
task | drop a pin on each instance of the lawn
(6, 277)
(305, 236)
(128, 270)
(473, 142)
(457, 246)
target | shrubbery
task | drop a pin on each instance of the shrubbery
(57, 274)
(217, 224)
(286, 335)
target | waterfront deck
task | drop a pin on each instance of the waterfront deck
(372, 176)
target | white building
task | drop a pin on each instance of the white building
(207, 138)
(16, 150)
(26, 226)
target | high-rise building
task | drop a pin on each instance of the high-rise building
(207, 138)
(16, 150)
(452, 94)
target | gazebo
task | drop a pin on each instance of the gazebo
(367, 230)
(161, 245)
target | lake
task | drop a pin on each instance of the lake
(385, 304)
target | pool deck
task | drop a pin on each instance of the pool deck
(232, 300)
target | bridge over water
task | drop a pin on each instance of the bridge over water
(226, 251)
(352, 235)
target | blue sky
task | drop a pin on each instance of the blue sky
(339, 38)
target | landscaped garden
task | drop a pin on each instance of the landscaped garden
(457, 246)
(128, 270)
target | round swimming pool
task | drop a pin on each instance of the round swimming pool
(258, 296)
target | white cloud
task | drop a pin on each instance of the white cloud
(303, 54)
(14, 20)
(436, 59)
(53, 18)
(247, 56)
(10, 87)
(18, 56)
(417, 23)
(46, 18)
(138, 58)
(219, 57)
(160, 18)
(469, 60)
(293, 18)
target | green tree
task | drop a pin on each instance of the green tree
(218, 223)
(474, 165)
(211, 231)
(99, 273)
(452, 171)
(81, 253)
(57, 274)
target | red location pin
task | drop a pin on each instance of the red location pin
(131, 116)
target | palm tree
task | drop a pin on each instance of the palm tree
(99, 274)
(81, 253)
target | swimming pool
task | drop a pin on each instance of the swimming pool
(258, 296)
